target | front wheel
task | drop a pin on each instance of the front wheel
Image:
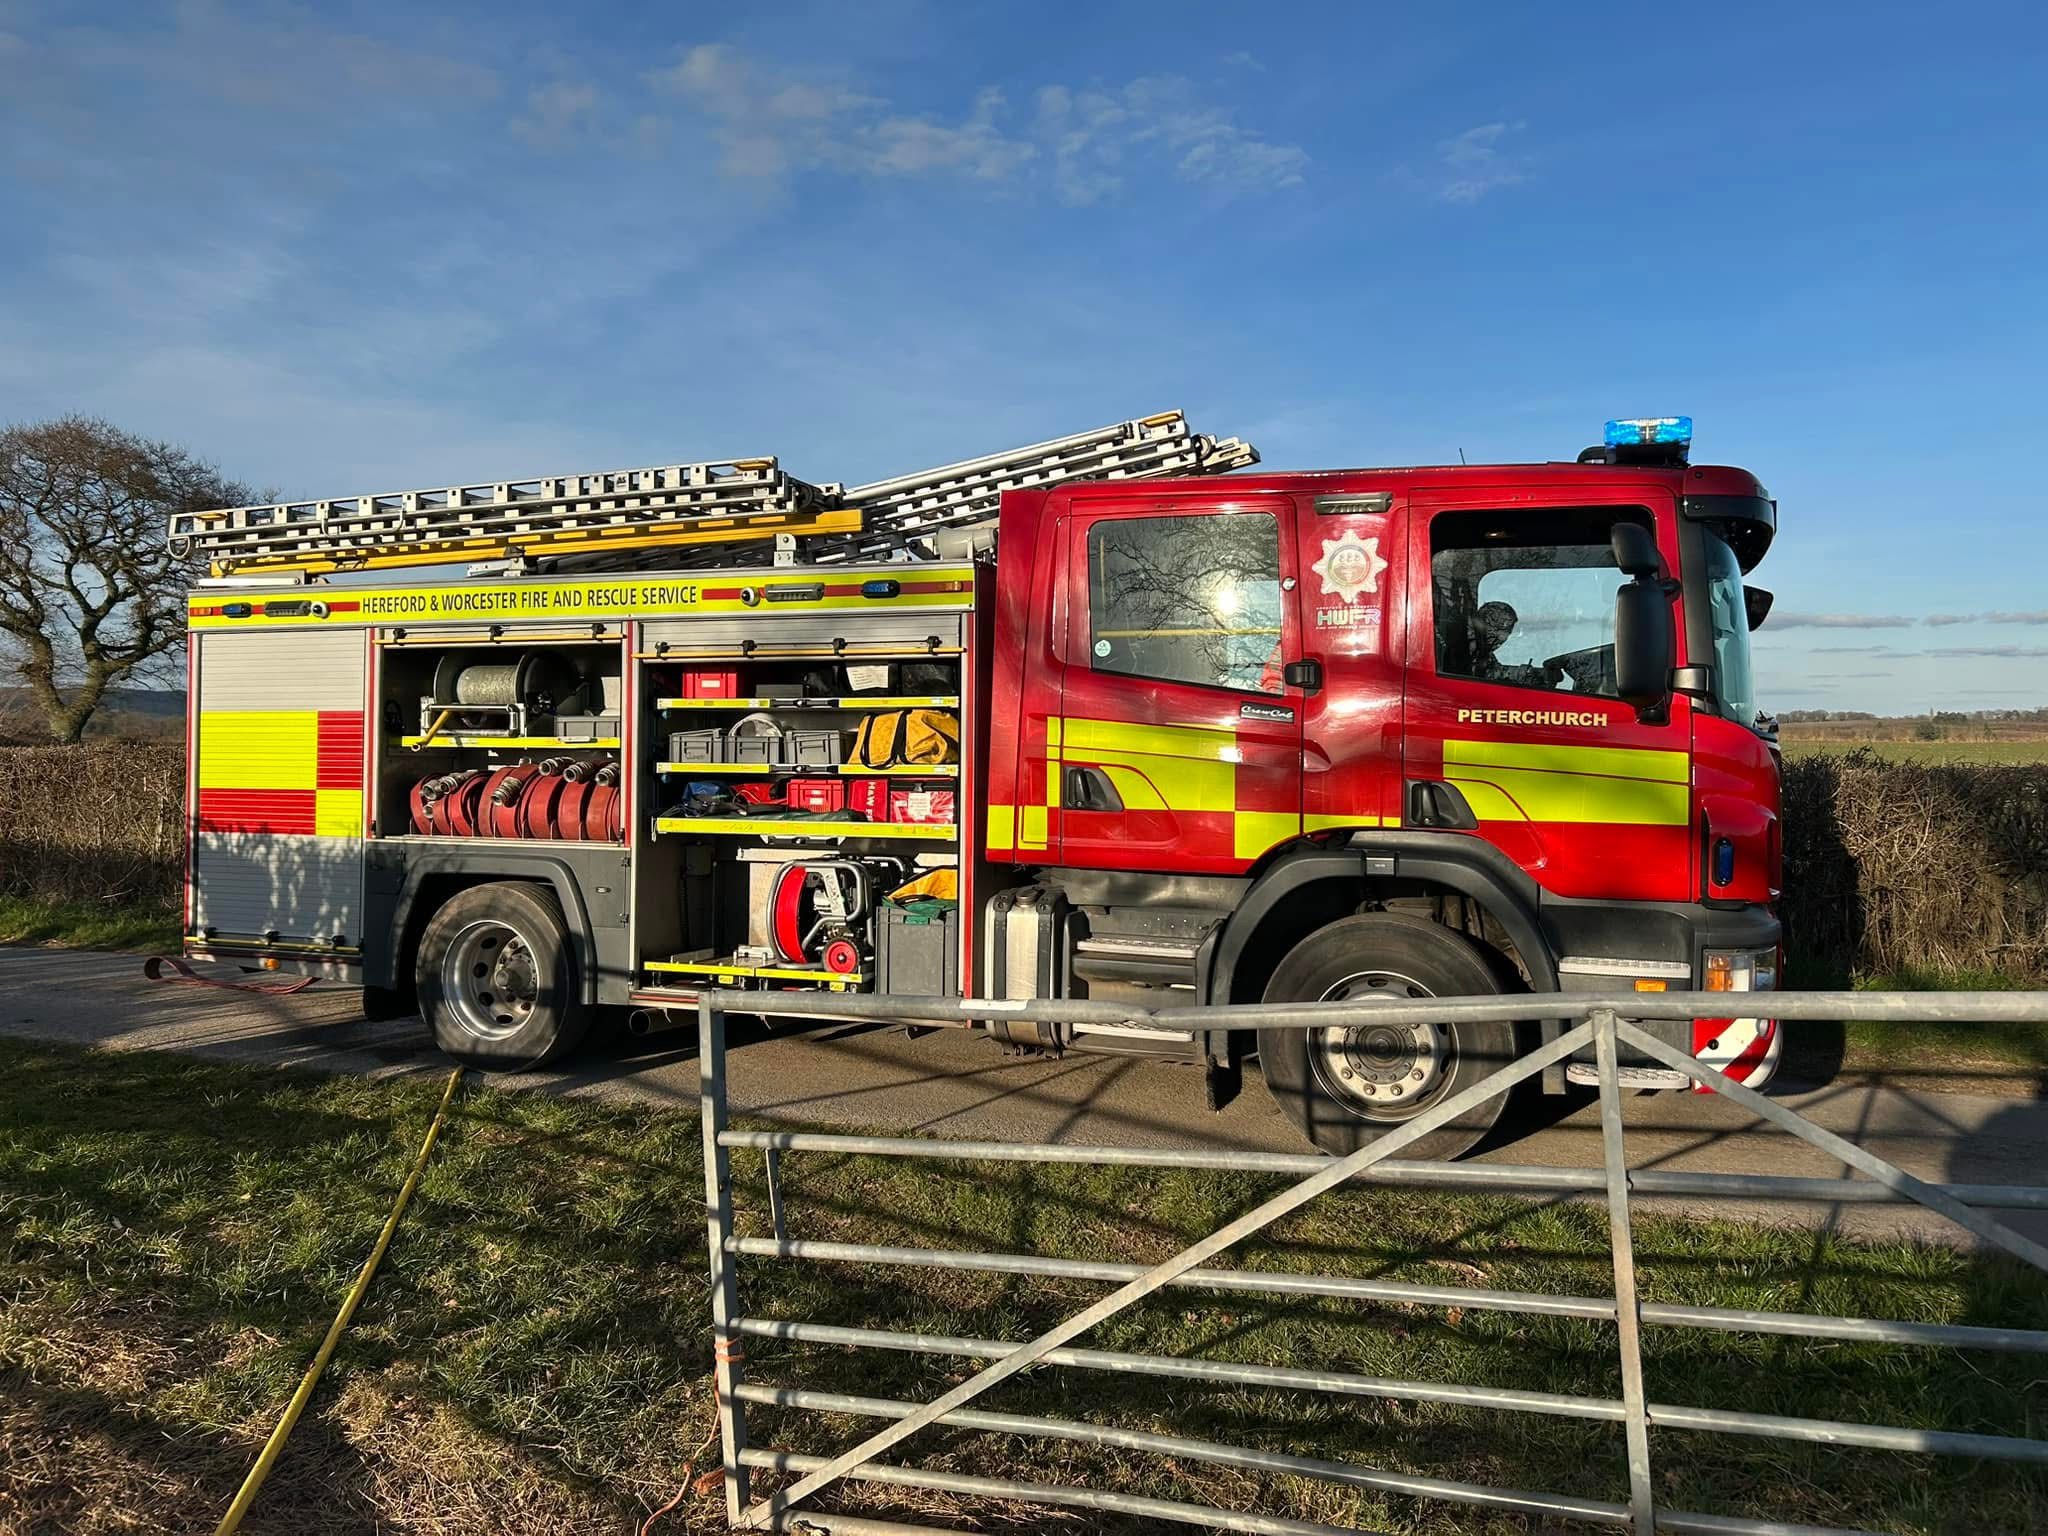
(497, 978)
(1347, 1085)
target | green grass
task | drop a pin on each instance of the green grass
(2001, 751)
(85, 925)
(2021, 1050)
(174, 1237)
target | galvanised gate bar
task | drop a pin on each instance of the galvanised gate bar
(1609, 1023)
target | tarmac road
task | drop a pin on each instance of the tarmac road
(951, 1083)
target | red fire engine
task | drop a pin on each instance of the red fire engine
(1159, 735)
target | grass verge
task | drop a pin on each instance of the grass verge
(85, 925)
(2014, 1054)
(175, 1235)
(2009, 1060)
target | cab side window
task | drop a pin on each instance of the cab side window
(1526, 598)
(1187, 599)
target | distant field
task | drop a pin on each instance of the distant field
(2004, 750)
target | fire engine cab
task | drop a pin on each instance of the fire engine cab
(1092, 719)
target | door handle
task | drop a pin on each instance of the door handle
(1089, 789)
(1306, 674)
(1433, 803)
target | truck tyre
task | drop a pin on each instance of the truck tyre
(498, 980)
(1346, 1086)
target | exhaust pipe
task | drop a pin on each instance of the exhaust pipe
(642, 1022)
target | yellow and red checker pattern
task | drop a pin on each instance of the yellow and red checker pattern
(293, 771)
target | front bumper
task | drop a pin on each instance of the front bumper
(1660, 947)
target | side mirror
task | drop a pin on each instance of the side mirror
(1635, 551)
(1756, 604)
(1645, 644)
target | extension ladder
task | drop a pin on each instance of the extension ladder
(670, 514)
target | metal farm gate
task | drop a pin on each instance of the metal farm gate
(1610, 1024)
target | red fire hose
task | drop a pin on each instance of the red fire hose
(572, 799)
(154, 966)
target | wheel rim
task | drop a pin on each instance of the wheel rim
(1380, 1071)
(490, 980)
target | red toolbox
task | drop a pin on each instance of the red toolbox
(921, 805)
(700, 684)
(870, 797)
(816, 794)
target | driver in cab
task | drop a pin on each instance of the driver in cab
(1491, 627)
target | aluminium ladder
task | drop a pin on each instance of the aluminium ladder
(677, 514)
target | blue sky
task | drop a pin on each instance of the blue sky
(369, 246)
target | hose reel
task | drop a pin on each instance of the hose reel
(820, 914)
(507, 697)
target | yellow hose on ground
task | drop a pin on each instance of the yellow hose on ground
(253, 1483)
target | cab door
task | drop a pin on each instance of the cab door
(1513, 729)
(1178, 742)
(1351, 600)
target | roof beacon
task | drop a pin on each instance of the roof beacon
(1664, 441)
(1643, 431)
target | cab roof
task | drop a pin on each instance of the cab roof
(1680, 480)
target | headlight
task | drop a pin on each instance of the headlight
(1740, 970)
(1767, 970)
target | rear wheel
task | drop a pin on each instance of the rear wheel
(497, 978)
(1348, 1085)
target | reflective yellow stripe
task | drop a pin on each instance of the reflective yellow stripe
(1137, 792)
(1545, 781)
(338, 813)
(1205, 743)
(1488, 803)
(609, 598)
(259, 749)
(1259, 830)
(1002, 828)
(1521, 794)
(1179, 767)
(1619, 762)
(1031, 830)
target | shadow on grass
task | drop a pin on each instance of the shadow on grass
(533, 1355)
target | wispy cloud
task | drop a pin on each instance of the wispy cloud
(1837, 621)
(1098, 136)
(2020, 652)
(556, 113)
(771, 123)
(1479, 161)
(2005, 616)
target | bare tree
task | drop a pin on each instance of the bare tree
(89, 595)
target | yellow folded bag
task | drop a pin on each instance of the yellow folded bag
(905, 737)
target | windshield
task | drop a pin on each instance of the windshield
(1734, 682)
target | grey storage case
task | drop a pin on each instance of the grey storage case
(814, 749)
(696, 746)
(917, 959)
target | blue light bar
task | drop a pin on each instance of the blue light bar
(1640, 431)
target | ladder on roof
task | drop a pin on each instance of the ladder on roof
(955, 495)
(681, 514)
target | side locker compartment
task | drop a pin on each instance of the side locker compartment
(277, 845)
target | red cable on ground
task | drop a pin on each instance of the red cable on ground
(153, 968)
